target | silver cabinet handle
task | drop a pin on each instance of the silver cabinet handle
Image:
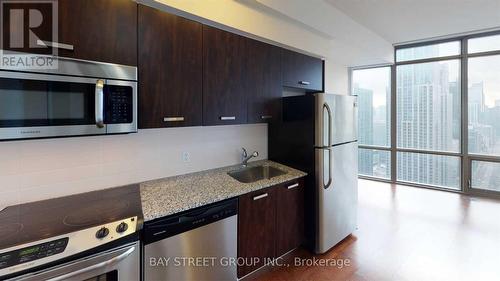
(95, 266)
(304, 82)
(225, 118)
(266, 117)
(293, 185)
(55, 45)
(260, 196)
(99, 103)
(173, 119)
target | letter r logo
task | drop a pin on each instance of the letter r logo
(26, 23)
(28, 34)
(17, 19)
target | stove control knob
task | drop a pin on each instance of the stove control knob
(101, 233)
(122, 227)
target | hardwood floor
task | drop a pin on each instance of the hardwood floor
(408, 233)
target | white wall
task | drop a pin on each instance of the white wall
(339, 79)
(38, 169)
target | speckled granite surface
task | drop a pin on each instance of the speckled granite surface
(175, 194)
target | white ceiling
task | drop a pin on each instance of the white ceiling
(400, 21)
(350, 43)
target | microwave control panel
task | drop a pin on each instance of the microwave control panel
(118, 104)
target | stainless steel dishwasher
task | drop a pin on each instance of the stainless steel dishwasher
(199, 244)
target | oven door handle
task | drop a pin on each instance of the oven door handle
(99, 103)
(109, 262)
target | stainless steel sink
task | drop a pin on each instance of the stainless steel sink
(256, 173)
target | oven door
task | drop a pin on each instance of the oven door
(117, 264)
(40, 105)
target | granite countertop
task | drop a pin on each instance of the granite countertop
(175, 194)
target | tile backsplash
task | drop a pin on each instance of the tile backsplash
(40, 169)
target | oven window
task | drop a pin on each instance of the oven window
(25, 103)
(109, 276)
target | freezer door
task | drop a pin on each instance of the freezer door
(336, 119)
(337, 195)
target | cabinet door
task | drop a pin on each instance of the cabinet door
(224, 74)
(170, 70)
(99, 30)
(302, 71)
(256, 228)
(290, 216)
(264, 82)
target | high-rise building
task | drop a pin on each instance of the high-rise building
(365, 128)
(483, 121)
(425, 122)
(457, 101)
(476, 104)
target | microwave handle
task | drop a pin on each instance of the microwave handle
(99, 103)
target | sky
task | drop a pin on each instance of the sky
(487, 70)
(375, 79)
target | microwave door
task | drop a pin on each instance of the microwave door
(38, 105)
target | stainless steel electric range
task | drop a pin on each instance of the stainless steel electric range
(89, 236)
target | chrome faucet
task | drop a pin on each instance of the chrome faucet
(245, 157)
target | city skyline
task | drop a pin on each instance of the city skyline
(429, 118)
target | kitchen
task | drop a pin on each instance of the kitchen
(174, 140)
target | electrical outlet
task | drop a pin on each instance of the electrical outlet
(186, 157)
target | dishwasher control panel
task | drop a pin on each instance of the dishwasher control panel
(169, 226)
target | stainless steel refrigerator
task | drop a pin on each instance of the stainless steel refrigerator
(318, 134)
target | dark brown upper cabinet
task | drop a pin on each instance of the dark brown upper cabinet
(170, 70)
(302, 71)
(98, 30)
(264, 88)
(256, 228)
(224, 74)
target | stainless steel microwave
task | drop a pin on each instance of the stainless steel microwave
(78, 98)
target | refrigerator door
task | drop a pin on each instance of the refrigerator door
(337, 189)
(336, 119)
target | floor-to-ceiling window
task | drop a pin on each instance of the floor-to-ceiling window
(372, 86)
(428, 114)
(483, 105)
(444, 104)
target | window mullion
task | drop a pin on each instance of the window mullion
(393, 123)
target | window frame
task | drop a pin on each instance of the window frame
(465, 158)
(426, 43)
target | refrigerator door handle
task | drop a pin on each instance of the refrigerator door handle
(329, 182)
(327, 110)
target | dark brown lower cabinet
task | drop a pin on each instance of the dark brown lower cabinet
(270, 224)
(289, 216)
(256, 228)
